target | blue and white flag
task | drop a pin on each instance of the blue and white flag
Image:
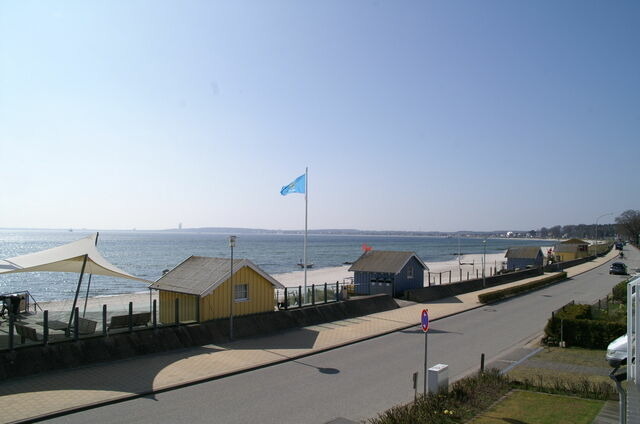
(297, 186)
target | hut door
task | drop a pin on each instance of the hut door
(380, 287)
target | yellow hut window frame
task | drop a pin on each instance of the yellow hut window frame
(241, 292)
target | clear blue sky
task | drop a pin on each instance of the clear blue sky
(411, 115)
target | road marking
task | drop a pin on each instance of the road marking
(518, 362)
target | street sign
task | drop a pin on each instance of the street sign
(425, 320)
(425, 328)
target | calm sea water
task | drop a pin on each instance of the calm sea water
(146, 254)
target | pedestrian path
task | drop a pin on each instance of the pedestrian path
(67, 390)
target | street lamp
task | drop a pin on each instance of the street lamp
(484, 259)
(596, 242)
(232, 244)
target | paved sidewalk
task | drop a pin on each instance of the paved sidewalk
(66, 390)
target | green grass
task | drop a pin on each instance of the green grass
(543, 395)
(574, 355)
(540, 408)
(552, 378)
(528, 376)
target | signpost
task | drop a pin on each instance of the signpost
(425, 328)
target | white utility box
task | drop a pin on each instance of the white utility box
(438, 377)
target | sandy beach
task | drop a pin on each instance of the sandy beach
(470, 264)
(119, 302)
(142, 301)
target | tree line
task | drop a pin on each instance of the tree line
(582, 231)
(627, 227)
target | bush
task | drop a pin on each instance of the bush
(582, 327)
(620, 292)
(587, 333)
(464, 400)
(523, 288)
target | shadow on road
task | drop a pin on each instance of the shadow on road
(431, 331)
(141, 373)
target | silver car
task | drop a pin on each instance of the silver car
(617, 352)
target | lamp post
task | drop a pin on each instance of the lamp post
(232, 244)
(595, 247)
(484, 260)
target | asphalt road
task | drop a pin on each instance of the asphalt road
(359, 381)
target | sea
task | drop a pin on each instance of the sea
(146, 254)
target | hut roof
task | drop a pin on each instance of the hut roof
(384, 261)
(574, 241)
(523, 252)
(201, 275)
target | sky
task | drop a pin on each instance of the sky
(410, 115)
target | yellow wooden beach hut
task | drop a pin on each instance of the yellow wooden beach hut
(202, 286)
(571, 249)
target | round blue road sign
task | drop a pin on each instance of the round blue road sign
(425, 320)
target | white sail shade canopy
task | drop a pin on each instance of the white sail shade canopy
(67, 258)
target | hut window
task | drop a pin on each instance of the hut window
(241, 292)
(410, 272)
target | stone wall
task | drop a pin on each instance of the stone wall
(34, 359)
(429, 294)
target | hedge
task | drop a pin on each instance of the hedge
(522, 288)
(587, 333)
(574, 311)
(580, 328)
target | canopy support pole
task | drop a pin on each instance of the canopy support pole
(75, 299)
(86, 297)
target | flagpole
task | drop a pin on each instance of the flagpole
(306, 191)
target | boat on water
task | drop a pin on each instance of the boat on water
(301, 265)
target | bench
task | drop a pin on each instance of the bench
(86, 326)
(26, 333)
(137, 320)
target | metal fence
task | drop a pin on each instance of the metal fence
(609, 309)
(456, 276)
(29, 325)
(17, 302)
(34, 326)
(315, 294)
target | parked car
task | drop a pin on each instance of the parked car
(617, 352)
(619, 245)
(618, 268)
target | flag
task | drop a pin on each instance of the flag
(297, 186)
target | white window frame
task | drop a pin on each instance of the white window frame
(236, 292)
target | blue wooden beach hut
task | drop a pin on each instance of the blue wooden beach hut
(388, 272)
(524, 257)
